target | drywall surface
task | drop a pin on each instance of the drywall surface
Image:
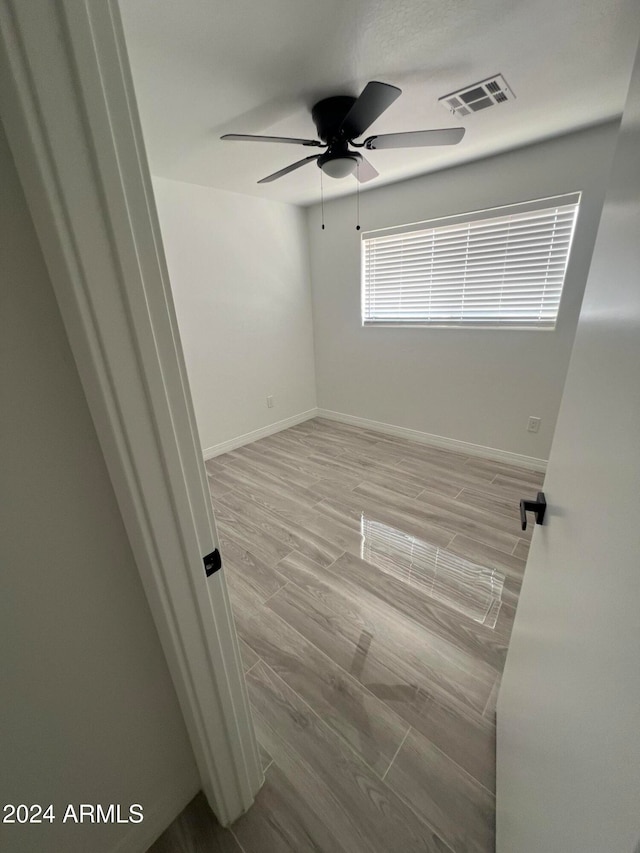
(239, 272)
(88, 713)
(481, 385)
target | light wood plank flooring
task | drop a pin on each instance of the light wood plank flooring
(374, 583)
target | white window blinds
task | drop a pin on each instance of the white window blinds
(499, 267)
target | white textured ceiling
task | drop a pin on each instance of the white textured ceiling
(206, 67)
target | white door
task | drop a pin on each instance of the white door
(69, 112)
(569, 707)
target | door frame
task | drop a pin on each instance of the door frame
(68, 105)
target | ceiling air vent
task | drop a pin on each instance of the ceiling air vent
(487, 93)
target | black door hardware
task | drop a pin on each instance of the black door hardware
(537, 507)
(212, 562)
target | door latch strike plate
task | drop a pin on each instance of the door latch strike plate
(212, 562)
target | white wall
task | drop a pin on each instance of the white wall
(240, 276)
(478, 386)
(88, 711)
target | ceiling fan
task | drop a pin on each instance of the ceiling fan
(342, 119)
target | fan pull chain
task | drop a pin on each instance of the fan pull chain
(322, 198)
(358, 195)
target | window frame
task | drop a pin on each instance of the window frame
(532, 205)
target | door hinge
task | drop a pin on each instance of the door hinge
(212, 562)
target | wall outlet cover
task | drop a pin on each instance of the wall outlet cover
(533, 424)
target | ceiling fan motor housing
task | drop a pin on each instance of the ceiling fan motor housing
(328, 116)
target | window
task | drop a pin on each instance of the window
(500, 267)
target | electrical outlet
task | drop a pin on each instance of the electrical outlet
(533, 425)
(270, 402)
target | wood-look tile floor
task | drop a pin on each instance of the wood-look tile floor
(374, 583)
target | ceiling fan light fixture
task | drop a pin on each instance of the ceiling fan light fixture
(339, 167)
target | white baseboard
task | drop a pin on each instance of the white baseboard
(254, 435)
(521, 461)
(140, 836)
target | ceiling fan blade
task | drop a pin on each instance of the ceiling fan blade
(288, 169)
(247, 137)
(373, 101)
(415, 138)
(365, 171)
